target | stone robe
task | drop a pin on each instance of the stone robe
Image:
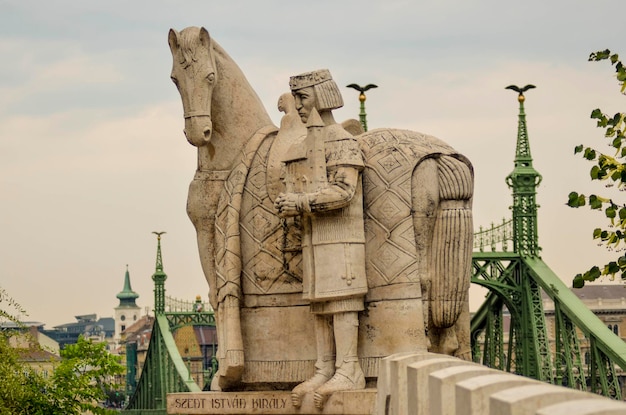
(325, 171)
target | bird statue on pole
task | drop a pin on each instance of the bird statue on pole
(362, 98)
(158, 234)
(520, 91)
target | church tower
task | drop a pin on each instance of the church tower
(127, 312)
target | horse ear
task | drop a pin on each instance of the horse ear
(205, 39)
(172, 39)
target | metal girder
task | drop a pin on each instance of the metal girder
(534, 322)
(163, 372)
(516, 280)
(505, 276)
(179, 319)
(517, 283)
(493, 354)
(602, 373)
(569, 369)
(584, 319)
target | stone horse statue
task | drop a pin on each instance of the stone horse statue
(418, 223)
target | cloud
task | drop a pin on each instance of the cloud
(92, 157)
(80, 203)
(38, 74)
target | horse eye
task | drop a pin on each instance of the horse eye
(211, 77)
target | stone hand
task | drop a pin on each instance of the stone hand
(287, 204)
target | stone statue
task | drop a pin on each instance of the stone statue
(416, 221)
(323, 186)
(291, 132)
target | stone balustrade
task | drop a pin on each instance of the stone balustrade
(415, 384)
(433, 384)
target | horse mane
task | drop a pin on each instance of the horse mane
(188, 42)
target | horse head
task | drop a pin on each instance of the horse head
(194, 74)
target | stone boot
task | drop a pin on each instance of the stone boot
(325, 365)
(231, 356)
(348, 374)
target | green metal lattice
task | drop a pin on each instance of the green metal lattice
(517, 282)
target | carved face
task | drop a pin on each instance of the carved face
(305, 102)
(193, 73)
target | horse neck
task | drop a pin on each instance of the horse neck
(237, 113)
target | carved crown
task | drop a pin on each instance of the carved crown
(309, 79)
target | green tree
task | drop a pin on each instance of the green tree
(22, 389)
(612, 169)
(86, 372)
(78, 384)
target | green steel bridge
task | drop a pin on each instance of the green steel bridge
(509, 331)
(165, 370)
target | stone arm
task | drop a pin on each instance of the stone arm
(336, 194)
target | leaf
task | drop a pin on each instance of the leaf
(590, 154)
(616, 119)
(617, 141)
(595, 173)
(578, 149)
(578, 282)
(599, 55)
(612, 268)
(593, 274)
(610, 212)
(596, 114)
(594, 202)
(572, 200)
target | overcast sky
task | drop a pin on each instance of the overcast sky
(93, 158)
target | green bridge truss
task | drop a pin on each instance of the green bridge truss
(164, 370)
(519, 282)
(509, 331)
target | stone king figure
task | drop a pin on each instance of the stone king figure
(322, 178)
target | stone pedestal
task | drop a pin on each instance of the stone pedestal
(360, 402)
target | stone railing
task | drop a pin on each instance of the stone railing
(414, 384)
(433, 384)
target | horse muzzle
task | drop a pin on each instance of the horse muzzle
(198, 129)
